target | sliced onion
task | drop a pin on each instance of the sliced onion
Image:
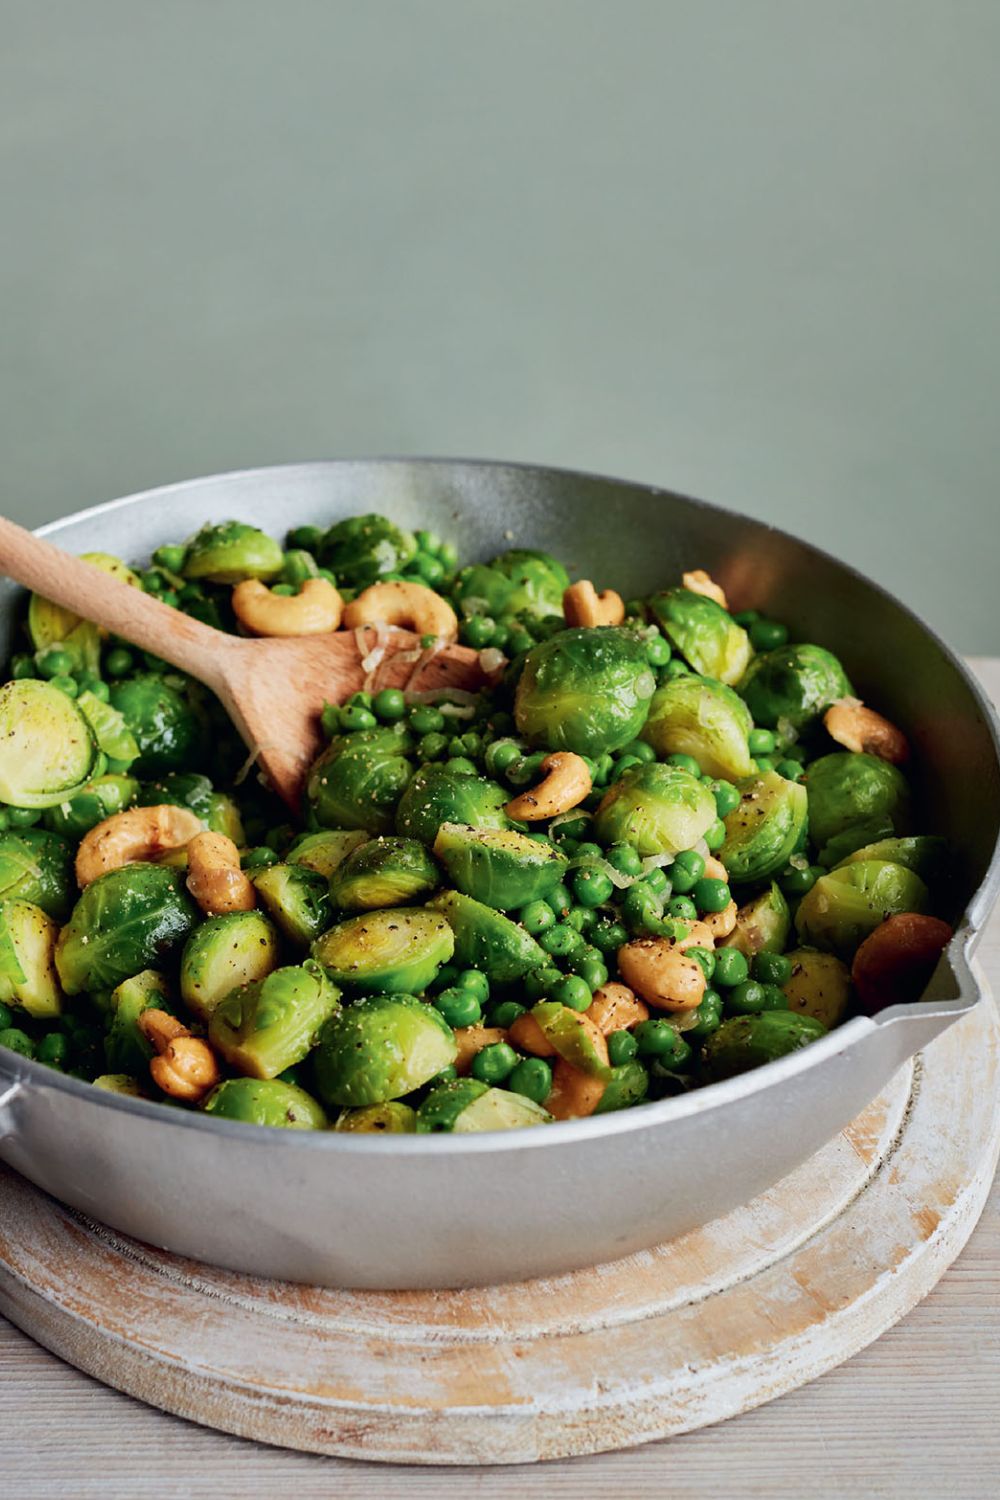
(248, 764)
(567, 817)
(595, 862)
(492, 661)
(702, 848)
(655, 862)
(425, 657)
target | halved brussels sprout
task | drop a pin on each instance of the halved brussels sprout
(437, 795)
(765, 829)
(498, 866)
(465, 1105)
(358, 779)
(223, 952)
(845, 906)
(269, 1025)
(99, 799)
(51, 625)
(126, 1049)
(848, 788)
(657, 809)
(108, 727)
(28, 975)
(298, 900)
(820, 986)
(386, 952)
(37, 866)
(762, 924)
(127, 920)
(519, 582)
(121, 1083)
(793, 685)
(380, 1049)
(487, 940)
(265, 1101)
(701, 717)
(924, 854)
(360, 549)
(391, 1118)
(323, 852)
(746, 1042)
(586, 690)
(384, 872)
(47, 749)
(575, 1037)
(628, 1084)
(703, 632)
(231, 551)
(168, 728)
(190, 789)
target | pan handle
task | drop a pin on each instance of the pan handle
(7, 1097)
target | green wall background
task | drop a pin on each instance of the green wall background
(743, 248)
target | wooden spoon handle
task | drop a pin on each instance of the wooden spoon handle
(119, 607)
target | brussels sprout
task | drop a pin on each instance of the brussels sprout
(231, 552)
(358, 779)
(574, 1037)
(324, 851)
(265, 1101)
(47, 750)
(380, 1049)
(762, 924)
(224, 952)
(793, 685)
(437, 795)
(765, 829)
(391, 1118)
(519, 582)
(856, 836)
(847, 788)
(127, 920)
(190, 789)
(627, 1085)
(359, 550)
(99, 799)
(37, 866)
(384, 872)
(697, 716)
(586, 690)
(703, 632)
(657, 809)
(120, 1083)
(746, 1042)
(845, 906)
(51, 625)
(498, 866)
(27, 972)
(169, 729)
(487, 940)
(820, 986)
(297, 898)
(108, 727)
(269, 1025)
(126, 1049)
(386, 952)
(465, 1105)
(924, 854)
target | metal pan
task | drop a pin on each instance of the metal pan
(443, 1211)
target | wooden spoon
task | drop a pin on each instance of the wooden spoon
(273, 690)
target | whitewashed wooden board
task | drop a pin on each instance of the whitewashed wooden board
(722, 1320)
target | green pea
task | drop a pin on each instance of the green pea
(622, 1047)
(589, 966)
(500, 756)
(710, 894)
(767, 635)
(360, 699)
(580, 917)
(708, 1016)
(153, 581)
(54, 662)
(731, 967)
(89, 682)
(540, 983)
(22, 666)
(790, 769)
(532, 1077)
(6, 1016)
(561, 940)
(53, 1049)
(603, 767)
(4, 820)
(704, 958)
(797, 882)
(494, 1064)
(389, 705)
(118, 662)
(657, 651)
(641, 906)
(525, 770)
(573, 992)
(458, 1006)
(446, 1075)
(353, 717)
(658, 880)
(424, 718)
(463, 766)
(676, 668)
(519, 641)
(715, 835)
(797, 752)
(536, 917)
(686, 870)
(430, 568)
(608, 937)
(727, 798)
(749, 998)
(624, 859)
(67, 685)
(260, 857)
(683, 909)
(764, 763)
(448, 553)
(23, 817)
(329, 720)
(505, 1014)
(432, 746)
(747, 617)
(624, 763)
(477, 631)
(559, 899)
(307, 537)
(772, 968)
(684, 763)
(761, 742)
(591, 887)
(17, 1041)
(657, 1038)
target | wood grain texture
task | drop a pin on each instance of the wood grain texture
(912, 1415)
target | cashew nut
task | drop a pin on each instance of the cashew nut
(528, 1036)
(139, 833)
(411, 605)
(715, 869)
(567, 781)
(574, 1094)
(662, 974)
(700, 582)
(721, 923)
(896, 960)
(185, 1066)
(615, 1008)
(215, 879)
(471, 1040)
(858, 728)
(315, 610)
(583, 605)
(698, 935)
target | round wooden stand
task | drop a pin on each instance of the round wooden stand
(722, 1320)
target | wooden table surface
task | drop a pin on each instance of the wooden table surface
(914, 1415)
